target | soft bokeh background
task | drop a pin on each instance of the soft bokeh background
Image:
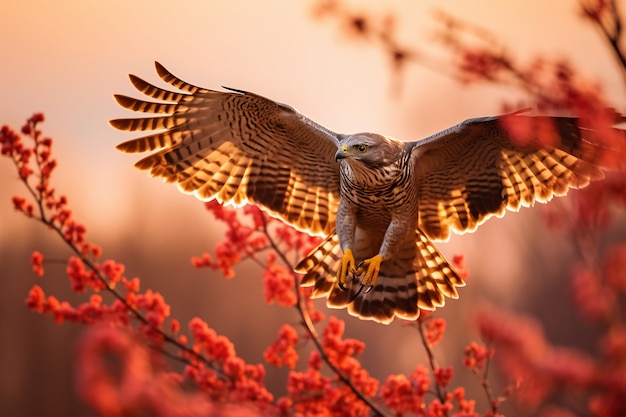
(66, 58)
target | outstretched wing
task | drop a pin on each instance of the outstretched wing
(237, 147)
(475, 170)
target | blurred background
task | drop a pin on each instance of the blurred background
(66, 59)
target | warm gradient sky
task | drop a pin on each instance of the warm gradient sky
(66, 58)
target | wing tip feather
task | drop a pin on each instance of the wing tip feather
(124, 101)
(137, 82)
(161, 70)
(126, 147)
(119, 124)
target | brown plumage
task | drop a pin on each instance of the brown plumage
(378, 202)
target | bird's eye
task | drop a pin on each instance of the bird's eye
(362, 148)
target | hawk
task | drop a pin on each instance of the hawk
(379, 203)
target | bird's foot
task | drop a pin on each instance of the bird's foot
(346, 266)
(371, 267)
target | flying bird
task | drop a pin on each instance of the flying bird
(379, 203)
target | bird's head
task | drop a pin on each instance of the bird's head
(369, 149)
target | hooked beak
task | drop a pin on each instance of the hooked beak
(342, 153)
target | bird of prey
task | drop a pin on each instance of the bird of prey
(379, 203)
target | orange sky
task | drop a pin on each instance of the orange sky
(67, 57)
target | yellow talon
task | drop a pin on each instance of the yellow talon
(371, 273)
(346, 266)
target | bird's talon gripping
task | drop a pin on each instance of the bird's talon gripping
(345, 267)
(369, 267)
(356, 294)
(372, 268)
(359, 268)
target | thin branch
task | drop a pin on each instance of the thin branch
(484, 382)
(43, 218)
(312, 332)
(432, 362)
(612, 36)
(129, 307)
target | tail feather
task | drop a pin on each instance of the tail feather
(391, 297)
(419, 277)
(434, 275)
(320, 266)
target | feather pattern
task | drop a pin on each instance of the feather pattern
(373, 198)
(238, 148)
(474, 171)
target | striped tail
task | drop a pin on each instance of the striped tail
(418, 277)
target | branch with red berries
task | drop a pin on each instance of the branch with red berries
(135, 325)
(133, 321)
(477, 56)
